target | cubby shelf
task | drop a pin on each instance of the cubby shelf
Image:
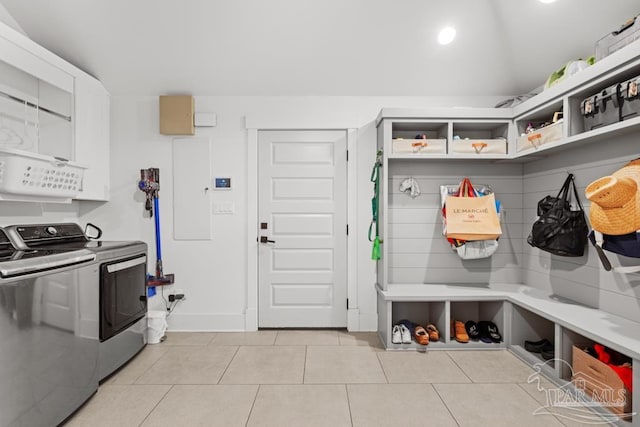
(450, 156)
(603, 134)
(488, 122)
(616, 332)
(528, 314)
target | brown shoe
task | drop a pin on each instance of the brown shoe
(421, 335)
(459, 332)
(434, 335)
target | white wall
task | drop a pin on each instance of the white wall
(13, 213)
(213, 273)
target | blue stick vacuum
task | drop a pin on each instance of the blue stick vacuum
(150, 184)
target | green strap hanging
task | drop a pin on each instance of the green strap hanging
(375, 205)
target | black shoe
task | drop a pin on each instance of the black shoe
(548, 352)
(536, 346)
(472, 329)
(489, 331)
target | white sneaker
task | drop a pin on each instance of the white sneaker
(406, 335)
(396, 335)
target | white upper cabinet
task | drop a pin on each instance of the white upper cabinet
(52, 108)
(92, 137)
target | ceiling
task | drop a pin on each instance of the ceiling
(319, 47)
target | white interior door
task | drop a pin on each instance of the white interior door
(302, 192)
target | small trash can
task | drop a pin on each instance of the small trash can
(156, 326)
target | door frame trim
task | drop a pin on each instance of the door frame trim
(251, 312)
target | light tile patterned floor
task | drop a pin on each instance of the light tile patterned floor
(313, 378)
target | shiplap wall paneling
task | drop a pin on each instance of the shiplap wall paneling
(417, 250)
(580, 279)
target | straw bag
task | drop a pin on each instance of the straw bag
(615, 215)
(558, 229)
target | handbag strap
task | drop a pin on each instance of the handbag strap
(466, 188)
(599, 241)
(575, 192)
(564, 190)
(463, 189)
(569, 185)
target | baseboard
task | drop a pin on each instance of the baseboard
(202, 322)
(368, 322)
(353, 320)
(251, 319)
(183, 322)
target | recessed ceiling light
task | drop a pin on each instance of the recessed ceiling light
(546, 1)
(446, 35)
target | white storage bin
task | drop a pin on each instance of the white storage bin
(23, 173)
(616, 40)
(479, 146)
(156, 326)
(539, 137)
(419, 146)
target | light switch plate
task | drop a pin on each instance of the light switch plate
(224, 208)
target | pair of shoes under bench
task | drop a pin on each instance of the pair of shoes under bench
(400, 335)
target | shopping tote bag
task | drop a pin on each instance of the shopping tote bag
(472, 218)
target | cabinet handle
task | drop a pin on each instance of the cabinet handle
(479, 146)
(535, 139)
(418, 146)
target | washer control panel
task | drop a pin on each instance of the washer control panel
(44, 232)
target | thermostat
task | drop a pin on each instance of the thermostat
(222, 184)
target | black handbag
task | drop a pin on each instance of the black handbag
(560, 230)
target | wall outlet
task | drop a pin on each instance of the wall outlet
(176, 294)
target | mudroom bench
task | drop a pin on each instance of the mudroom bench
(503, 304)
(521, 313)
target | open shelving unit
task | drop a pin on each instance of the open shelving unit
(442, 287)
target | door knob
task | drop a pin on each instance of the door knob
(265, 239)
